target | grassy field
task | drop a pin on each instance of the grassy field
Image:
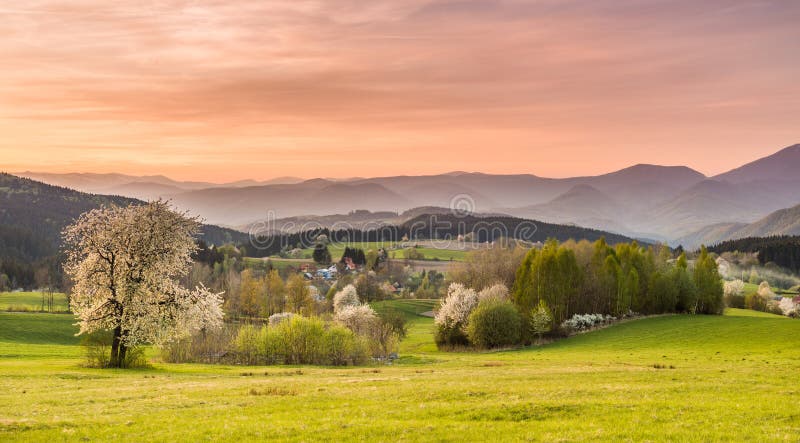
(277, 263)
(396, 252)
(30, 301)
(674, 378)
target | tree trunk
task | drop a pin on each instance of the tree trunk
(116, 348)
(123, 350)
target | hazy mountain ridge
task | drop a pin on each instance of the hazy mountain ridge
(662, 202)
(781, 222)
(42, 211)
(781, 165)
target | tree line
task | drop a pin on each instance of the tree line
(433, 227)
(581, 278)
(783, 250)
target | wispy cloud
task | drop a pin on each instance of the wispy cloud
(183, 86)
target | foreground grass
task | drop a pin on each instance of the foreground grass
(677, 378)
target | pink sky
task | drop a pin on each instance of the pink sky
(229, 89)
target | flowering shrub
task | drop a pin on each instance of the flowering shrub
(359, 319)
(583, 322)
(346, 297)
(453, 315)
(765, 291)
(456, 307)
(733, 288)
(787, 305)
(498, 292)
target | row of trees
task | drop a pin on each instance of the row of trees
(431, 226)
(578, 278)
(782, 250)
(268, 294)
(565, 286)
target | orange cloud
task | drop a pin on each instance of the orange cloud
(229, 89)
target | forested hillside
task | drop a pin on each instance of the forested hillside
(783, 250)
(438, 227)
(32, 216)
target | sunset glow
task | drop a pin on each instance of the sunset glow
(225, 90)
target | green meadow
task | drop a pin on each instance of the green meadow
(673, 378)
(31, 301)
(394, 251)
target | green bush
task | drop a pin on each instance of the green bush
(300, 340)
(494, 323)
(735, 301)
(755, 302)
(450, 335)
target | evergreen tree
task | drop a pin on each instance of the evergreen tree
(321, 254)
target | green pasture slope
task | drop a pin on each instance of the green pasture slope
(673, 378)
(337, 249)
(30, 301)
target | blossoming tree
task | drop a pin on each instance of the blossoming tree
(125, 263)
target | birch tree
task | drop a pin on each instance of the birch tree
(126, 263)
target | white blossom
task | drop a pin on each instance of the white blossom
(346, 297)
(358, 319)
(457, 305)
(498, 291)
(787, 305)
(125, 264)
(765, 291)
(582, 322)
(735, 287)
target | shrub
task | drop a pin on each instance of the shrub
(452, 316)
(246, 344)
(498, 291)
(276, 319)
(735, 287)
(201, 347)
(584, 322)
(300, 340)
(359, 319)
(447, 335)
(755, 302)
(735, 301)
(765, 291)
(98, 348)
(396, 321)
(344, 348)
(786, 305)
(303, 339)
(541, 321)
(346, 297)
(494, 323)
(773, 307)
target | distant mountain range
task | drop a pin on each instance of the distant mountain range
(670, 203)
(148, 187)
(33, 214)
(781, 222)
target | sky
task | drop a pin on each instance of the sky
(223, 90)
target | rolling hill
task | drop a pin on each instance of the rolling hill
(781, 222)
(33, 214)
(582, 205)
(661, 202)
(783, 165)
